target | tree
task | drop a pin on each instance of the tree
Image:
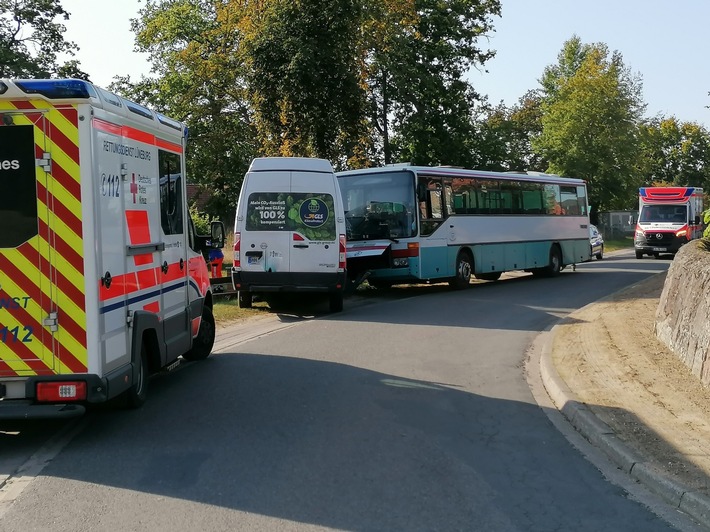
(676, 153)
(591, 112)
(421, 107)
(198, 79)
(507, 135)
(347, 80)
(30, 40)
(302, 77)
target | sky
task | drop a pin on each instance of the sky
(667, 43)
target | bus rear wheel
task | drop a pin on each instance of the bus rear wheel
(464, 267)
(554, 266)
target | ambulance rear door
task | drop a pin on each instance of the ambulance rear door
(42, 301)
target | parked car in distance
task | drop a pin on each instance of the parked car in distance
(596, 241)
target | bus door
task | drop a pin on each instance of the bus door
(433, 246)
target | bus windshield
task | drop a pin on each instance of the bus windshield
(379, 205)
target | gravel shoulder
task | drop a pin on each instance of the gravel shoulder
(609, 356)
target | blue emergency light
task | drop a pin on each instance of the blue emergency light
(58, 89)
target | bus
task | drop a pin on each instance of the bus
(419, 224)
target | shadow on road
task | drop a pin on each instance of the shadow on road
(346, 448)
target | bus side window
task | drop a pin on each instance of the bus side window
(449, 200)
(437, 208)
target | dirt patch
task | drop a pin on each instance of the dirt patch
(610, 358)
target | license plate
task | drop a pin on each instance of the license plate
(253, 260)
(660, 249)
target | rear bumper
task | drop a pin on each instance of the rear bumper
(17, 409)
(23, 405)
(288, 281)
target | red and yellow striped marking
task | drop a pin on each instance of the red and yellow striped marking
(48, 269)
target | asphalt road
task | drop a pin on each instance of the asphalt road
(410, 413)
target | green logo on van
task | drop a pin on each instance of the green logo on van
(314, 212)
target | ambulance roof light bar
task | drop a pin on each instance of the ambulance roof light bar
(58, 89)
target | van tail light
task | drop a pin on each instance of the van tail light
(342, 247)
(237, 261)
(60, 391)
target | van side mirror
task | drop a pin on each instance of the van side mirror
(217, 234)
(696, 220)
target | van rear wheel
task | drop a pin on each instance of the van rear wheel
(245, 299)
(136, 395)
(336, 302)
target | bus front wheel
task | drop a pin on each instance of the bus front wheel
(464, 267)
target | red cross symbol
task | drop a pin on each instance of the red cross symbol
(134, 187)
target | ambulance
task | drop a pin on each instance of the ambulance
(103, 280)
(668, 218)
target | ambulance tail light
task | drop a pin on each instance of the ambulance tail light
(61, 391)
(342, 248)
(237, 261)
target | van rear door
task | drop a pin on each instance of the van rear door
(265, 241)
(314, 235)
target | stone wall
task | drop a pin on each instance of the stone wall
(683, 314)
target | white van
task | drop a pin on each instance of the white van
(289, 233)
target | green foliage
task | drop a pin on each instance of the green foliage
(30, 40)
(589, 125)
(675, 153)
(302, 76)
(506, 136)
(357, 82)
(199, 79)
(421, 106)
(201, 221)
